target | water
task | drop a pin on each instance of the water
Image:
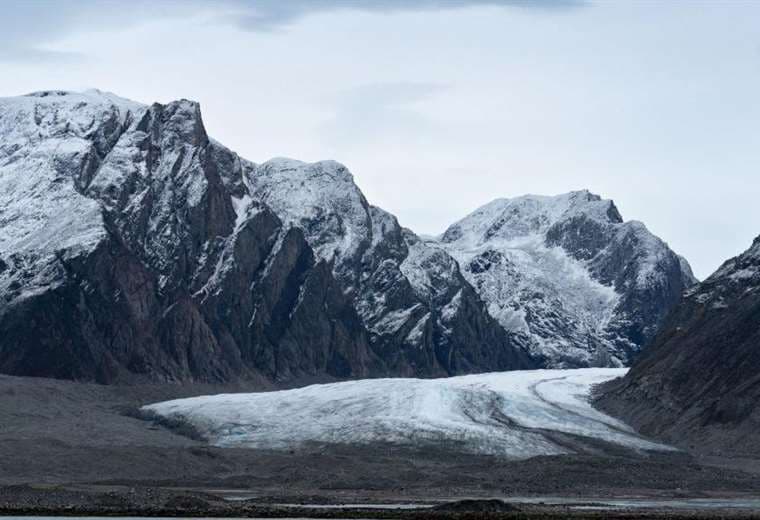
(704, 504)
(644, 503)
(685, 504)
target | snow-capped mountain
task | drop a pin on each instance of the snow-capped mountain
(700, 378)
(129, 248)
(422, 315)
(565, 274)
(518, 414)
(134, 246)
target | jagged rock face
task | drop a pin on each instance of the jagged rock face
(131, 250)
(699, 381)
(423, 317)
(575, 283)
(133, 246)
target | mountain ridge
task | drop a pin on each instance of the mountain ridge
(698, 381)
(610, 280)
(128, 304)
(133, 245)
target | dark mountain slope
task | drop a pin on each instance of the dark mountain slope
(422, 316)
(699, 382)
(132, 246)
(130, 251)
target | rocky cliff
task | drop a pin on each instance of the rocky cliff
(699, 382)
(135, 247)
(575, 284)
(131, 250)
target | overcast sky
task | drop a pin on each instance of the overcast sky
(439, 106)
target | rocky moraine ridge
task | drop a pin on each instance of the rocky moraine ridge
(134, 247)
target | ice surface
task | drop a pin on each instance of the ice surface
(507, 413)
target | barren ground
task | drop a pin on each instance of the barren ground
(65, 444)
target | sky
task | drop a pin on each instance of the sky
(440, 106)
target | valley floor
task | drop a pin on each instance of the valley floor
(65, 445)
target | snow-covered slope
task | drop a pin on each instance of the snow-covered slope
(738, 274)
(568, 276)
(515, 414)
(131, 243)
(43, 137)
(422, 315)
(134, 246)
(130, 248)
(322, 199)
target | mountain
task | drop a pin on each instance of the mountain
(568, 277)
(134, 247)
(422, 316)
(699, 382)
(129, 249)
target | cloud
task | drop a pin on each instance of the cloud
(29, 30)
(25, 25)
(387, 95)
(381, 110)
(265, 15)
(31, 54)
(29, 27)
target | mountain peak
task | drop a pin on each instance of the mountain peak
(507, 218)
(322, 193)
(327, 168)
(82, 173)
(566, 272)
(89, 96)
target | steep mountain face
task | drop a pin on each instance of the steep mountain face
(700, 379)
(129, 249)
(134, 247)
(568, 277)
(422, 316)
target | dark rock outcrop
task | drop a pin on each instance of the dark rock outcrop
(699, 382)
(423, 317)
(159, 268)
(133, 247)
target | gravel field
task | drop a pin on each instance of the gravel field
(78, 447)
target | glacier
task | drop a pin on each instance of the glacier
(518, 414)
